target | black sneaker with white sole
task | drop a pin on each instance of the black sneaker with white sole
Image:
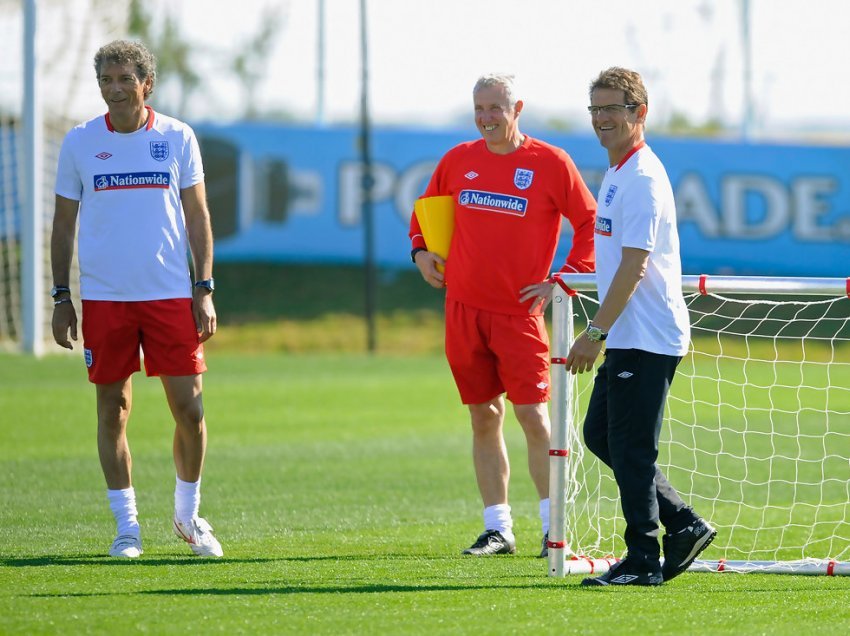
(683, 547)
(544, 552)
(627, 572)
(491, 542)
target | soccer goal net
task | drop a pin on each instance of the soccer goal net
(756, 435)
(53, 41)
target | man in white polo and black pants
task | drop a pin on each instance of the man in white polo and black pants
(643, 319)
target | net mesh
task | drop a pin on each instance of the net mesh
(756, 434)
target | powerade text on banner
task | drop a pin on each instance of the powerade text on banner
(284, 193)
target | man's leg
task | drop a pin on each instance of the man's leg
(672, 511)
(638, 385)
(595, 426)
(534, 420)
(184, 394)
(492, 471)
(113, 410)
(489, 453)
(114, 402)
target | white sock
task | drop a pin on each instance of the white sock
(544, 514)
(187, 499)
(498, 517)
(123, 505)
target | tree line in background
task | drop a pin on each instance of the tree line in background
(176, 71)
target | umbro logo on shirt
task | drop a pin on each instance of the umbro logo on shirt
(625, 375)
(103, 155)
(471, 175)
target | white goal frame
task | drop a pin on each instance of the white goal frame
(566, 432)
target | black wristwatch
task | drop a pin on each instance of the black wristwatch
(208, 284)
(415, 251)
(59, 289)
(595, 334)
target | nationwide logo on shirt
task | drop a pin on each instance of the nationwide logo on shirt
(132, 181)
(603, 226)
(493, 202)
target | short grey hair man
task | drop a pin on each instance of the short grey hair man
(505, 80)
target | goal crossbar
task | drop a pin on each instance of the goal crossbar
(570, 553)
(706, 284)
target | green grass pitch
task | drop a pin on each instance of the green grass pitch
(342, 491)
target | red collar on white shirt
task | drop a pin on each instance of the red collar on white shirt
(629, 154)
(148, 125)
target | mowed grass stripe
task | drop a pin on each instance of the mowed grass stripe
(342, 490)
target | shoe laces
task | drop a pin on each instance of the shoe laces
(484, 539)
(125, 541)
(202, 525)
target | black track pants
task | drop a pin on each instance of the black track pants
(621, 428)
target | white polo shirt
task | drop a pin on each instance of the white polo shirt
(132, 242)
(635, 208)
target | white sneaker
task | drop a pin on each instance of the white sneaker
(199, 535)
(126, 546)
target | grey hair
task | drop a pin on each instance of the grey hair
(128, 52)
(506, 81)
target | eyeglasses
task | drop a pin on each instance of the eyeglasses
(611, 109)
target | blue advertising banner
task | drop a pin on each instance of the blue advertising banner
(293, 194)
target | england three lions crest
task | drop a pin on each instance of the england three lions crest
(159, 150)
(523, 178)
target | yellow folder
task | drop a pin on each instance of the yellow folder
(436, 216)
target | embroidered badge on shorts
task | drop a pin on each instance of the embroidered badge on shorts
(89, 357)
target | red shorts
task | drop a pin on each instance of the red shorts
(165, 329)
(490, 354)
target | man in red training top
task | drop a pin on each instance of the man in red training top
(510, 192)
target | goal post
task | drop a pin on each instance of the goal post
(756, 434)
(50, 43)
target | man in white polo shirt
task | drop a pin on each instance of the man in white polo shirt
(643, 320)
(136, 181)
